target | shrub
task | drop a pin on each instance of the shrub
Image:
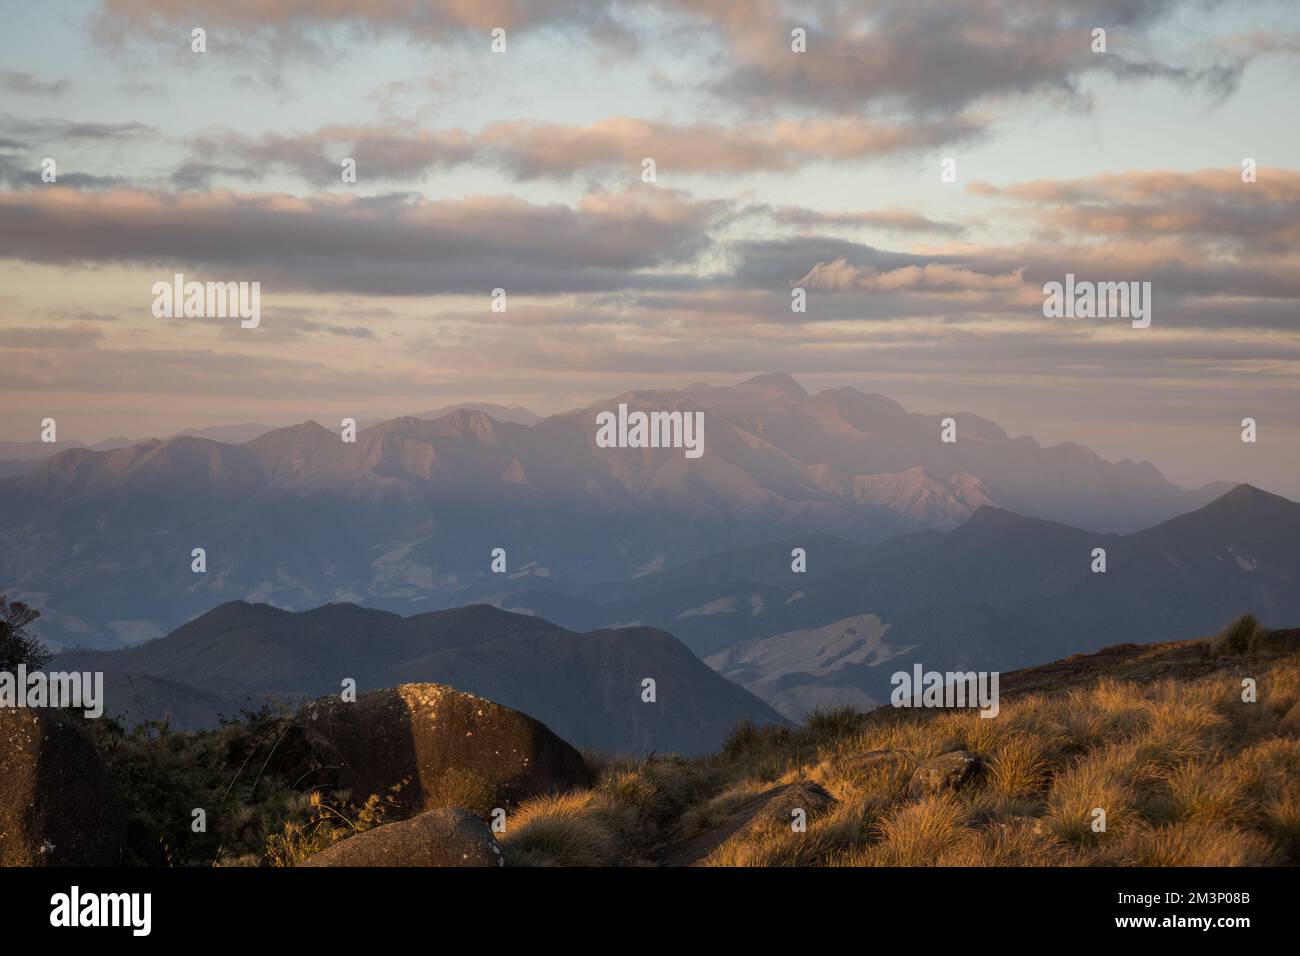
(1238, 637)
(17, 646)
(325, 826)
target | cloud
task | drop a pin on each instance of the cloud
(272, 29)
(29, 84)
(28, 141)
(80, 335)
(934, 57)
(1211, 208)
(386, 245)
(530, 150)
(893, 219)
(781, 263)
(384, 153)
(392, 152)
(17, 173)
(921, 56)
(286, 323)
(47, 130)
(1208, 266)
(933, 277)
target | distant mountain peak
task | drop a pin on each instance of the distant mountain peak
(782, 380)
(1247, 496)
(1246, 492)
(307, 429)
(993, 518)
(472, 419)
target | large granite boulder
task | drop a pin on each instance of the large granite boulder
(58, 803)
(440, 747)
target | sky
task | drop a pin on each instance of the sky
(773, 170)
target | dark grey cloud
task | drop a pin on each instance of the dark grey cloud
(287, 323)
(29, 84)
(35, 133)
(385, 245)
(16, 173)
(25, 142)
(888, 220)
(200, 175)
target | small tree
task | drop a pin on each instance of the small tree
(17, 646)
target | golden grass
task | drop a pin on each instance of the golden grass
(1187, 773)
(573, 829)
(614, 824)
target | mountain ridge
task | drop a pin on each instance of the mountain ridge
(587, 687)
(999, 591)
(412, 510)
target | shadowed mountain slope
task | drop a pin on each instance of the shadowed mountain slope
(588, 688)
(999, 591)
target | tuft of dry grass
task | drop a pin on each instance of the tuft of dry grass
(1238, 637)
(617, 823)
(914, 834)
(1021, 767)
(571, 829)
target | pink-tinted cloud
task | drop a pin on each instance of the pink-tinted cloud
(531, 150)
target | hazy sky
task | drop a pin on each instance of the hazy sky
(774, 169)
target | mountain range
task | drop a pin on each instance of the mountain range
(407, 517)
(17, 457)
(999, 591)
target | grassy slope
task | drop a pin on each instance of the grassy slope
(1158, 736)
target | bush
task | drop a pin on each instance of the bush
(164, 776)
(1239, 637)
(16, 645)
(326, 825)
(831, 723)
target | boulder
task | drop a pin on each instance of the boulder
(440, 747)
(58, 803)
(443, 837)
(812, 798)
(950, 771)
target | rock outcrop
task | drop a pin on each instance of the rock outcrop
(443, 837)
(438, 747)
(950, 771)
(58, 803)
